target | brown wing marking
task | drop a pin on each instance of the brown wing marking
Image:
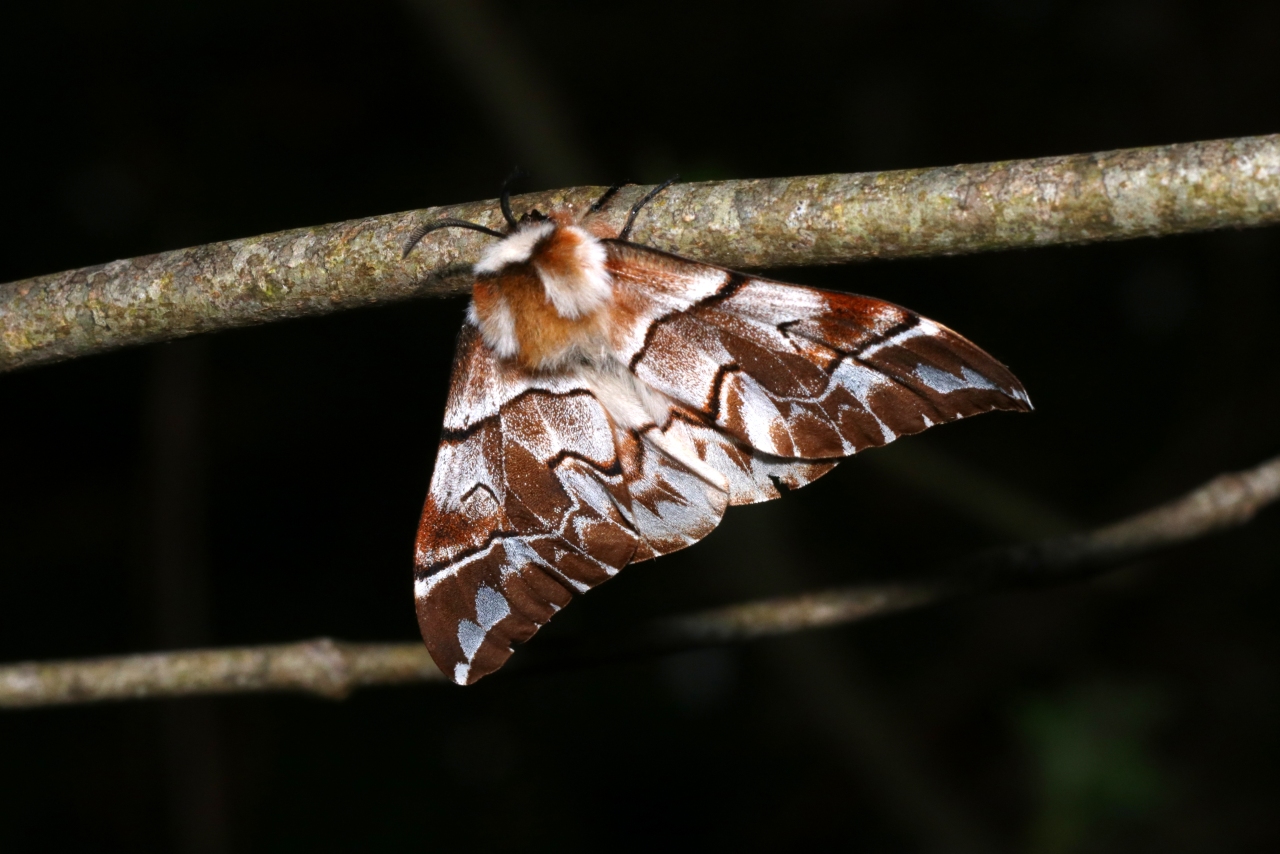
(546, 495)
(527, 503)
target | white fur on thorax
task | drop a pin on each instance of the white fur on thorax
(498, 329)
(587, 286)
(515, 248)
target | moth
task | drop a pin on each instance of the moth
(609, 401)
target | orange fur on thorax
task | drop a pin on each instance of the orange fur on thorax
(544, 338)
(557, 255)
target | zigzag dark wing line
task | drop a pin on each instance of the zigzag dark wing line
(528, 502)
(795, 372)
(675, 499)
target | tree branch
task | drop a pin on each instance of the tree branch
(828, 219)
(333, 669)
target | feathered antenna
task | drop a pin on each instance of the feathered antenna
(648, 197)
(425, 229)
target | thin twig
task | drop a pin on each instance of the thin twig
(333, 669)
(829, 219)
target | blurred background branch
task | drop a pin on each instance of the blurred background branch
(333, 669)
(827, 219)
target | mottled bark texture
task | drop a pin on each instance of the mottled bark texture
(828, 219)
(332, 669)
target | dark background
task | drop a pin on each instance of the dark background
(263, 485)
